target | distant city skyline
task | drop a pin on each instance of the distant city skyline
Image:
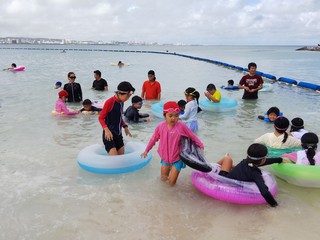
(202, 22)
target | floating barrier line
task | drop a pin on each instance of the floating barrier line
(289, 81)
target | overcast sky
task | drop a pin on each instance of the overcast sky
(249, 22)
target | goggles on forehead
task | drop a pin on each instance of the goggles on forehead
(192, 93)
(256, 158)
(125, 92)
(171, 110)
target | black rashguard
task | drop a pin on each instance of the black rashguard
(243, 172)
(132, 114)
(74, 91)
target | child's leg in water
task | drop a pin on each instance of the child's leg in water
(174, 174)
(165, 170)
(169, 173)
(226, 163)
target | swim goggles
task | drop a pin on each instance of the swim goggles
(125, 92)
(256, 158)
(171, 110)
(192, 93)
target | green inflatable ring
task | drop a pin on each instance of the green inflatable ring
(300, 175)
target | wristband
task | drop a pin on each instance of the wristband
(125, 126)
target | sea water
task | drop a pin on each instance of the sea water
(45, 195)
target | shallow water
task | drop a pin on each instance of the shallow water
(45, 195)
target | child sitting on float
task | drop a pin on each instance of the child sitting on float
(297, 129)
(192, 108)
(279, 138)
(271, 115)
(309, 155)
(248, 169)
(61, 107)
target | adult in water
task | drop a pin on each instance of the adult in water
(73, 88)
(151, 88)
(99, 83)
(251, 83)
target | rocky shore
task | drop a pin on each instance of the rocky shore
(315, 48)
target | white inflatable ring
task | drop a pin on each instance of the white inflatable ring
(95, 159)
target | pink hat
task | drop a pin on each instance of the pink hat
(63, 93)
(170, 107)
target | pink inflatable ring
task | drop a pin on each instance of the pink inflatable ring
(230, 190)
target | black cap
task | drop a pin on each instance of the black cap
(125, 87)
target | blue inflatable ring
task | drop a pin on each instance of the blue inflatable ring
(95, 159)
(157, 109)
(225, 105)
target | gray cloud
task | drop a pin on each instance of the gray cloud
(166, 21)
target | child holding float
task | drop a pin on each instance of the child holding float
(61, 107)
(111, 120)
(248, 169)
(271, 115)
(279, 138)
(189, 116)
(89, 108)
(169, 133)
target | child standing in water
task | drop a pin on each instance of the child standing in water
(169, 132)
(192, 108)
(111, 120)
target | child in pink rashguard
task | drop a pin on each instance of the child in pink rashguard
(169, 133)
(61, 107)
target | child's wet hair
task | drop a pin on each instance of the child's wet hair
(182, 103)
(274, 110)
(309, 142)
(86, 102)
(281, 125)
(231, 82)
(256, 152)
(296, 124)
(211, 87)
